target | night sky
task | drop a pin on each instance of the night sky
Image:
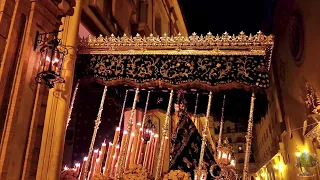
(233, 16)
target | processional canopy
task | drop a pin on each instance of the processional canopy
(201, 62)
(211, 63)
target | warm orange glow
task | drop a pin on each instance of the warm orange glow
(298, 154)
(224, 156)
(281, 167)
(233, 162)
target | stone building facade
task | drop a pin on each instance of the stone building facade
(292, 120)
(32, 117)
(22, 101)
(235, 133)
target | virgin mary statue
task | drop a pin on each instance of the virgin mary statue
(186, 143)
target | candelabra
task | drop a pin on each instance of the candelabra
(126, 142)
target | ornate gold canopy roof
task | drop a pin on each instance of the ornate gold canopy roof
(242, 44)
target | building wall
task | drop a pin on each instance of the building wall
(22, 101)
(235, 133)
(132, 17)
(294, 62)
(114, 17)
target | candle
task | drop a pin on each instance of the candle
(156, 138)
(150, 149)
(129, 151)
(77, 165)
(124, 136)
(140, 151)
(135, 147)
(146, 154)
(103, 151)
(93, 163)
(65, 168)
(101, 157)
(105, 171)
(99, 160)
(82, 166)
(136, 156)
(115, 141)
(114, 161)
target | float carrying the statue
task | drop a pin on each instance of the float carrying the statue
(177, 63)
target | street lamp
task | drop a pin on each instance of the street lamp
(51, 59)
(226, 162)
(224, 153)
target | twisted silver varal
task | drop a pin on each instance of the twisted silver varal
(120, 170)
(196, 107)
(205, 130)
(95, 130)
(123, 106)
(145, 110)
(164, 134)
(222, 121)
(71, 104)
(248, 139)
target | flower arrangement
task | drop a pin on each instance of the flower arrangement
(137, 172)
(308, 160)
(177, 175)
(69, 174)
(100, 176)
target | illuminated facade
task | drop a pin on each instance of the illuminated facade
(33, 118)
(235, 133)
(290, 128)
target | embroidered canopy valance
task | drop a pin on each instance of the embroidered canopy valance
(199, 62)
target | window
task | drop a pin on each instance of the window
(240, 150)
(228, 130)
(241, 160)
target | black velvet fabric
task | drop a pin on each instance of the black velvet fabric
(186, 146)
(176, 71)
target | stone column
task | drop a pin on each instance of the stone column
(53, 137)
